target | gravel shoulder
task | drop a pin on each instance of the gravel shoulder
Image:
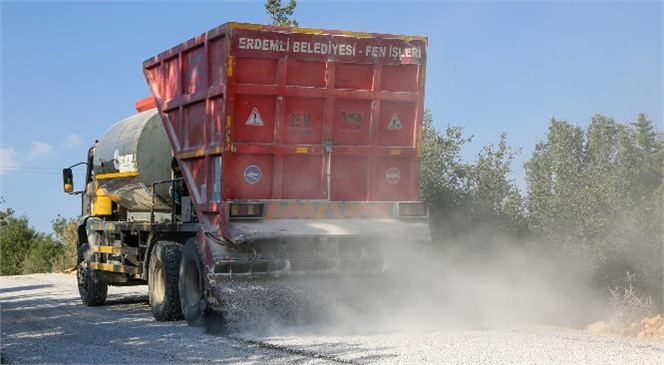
(43, 322)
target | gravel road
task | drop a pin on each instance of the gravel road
(44, 322)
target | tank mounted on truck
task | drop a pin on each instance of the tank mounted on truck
(263, 152)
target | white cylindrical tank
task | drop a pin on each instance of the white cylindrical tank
(132, 155)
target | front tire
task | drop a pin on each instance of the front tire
(163, 281)
(92, 290)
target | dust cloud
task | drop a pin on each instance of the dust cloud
(480, 281)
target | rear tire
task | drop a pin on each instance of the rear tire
(92, 290)
(195, 307)
(163, 281)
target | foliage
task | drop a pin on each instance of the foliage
(627, 305)
(280, 14)
(442, 172)
(596, 191)
(26, 251)
(600, 193)
(42, 251)
(464, 195)
(493, 197)
(16, 238)
(66, 236)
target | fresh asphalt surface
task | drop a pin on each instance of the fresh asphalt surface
(44, 322)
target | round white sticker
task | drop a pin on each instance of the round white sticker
(252, 174)
(392, 175)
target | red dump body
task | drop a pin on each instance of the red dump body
(259, 112)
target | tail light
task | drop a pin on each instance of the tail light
(413, 209)
(246, 210)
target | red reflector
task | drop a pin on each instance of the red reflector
(417, 209)
(251, 210)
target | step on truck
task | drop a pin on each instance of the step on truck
(262, 151)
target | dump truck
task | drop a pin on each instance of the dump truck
(263, 151)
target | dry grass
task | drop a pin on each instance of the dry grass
(652, 328)
(628, 305)
(631, 315)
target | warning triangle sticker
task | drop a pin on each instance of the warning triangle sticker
(394, 123)
(254, 118)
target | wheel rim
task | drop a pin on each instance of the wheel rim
(159, 282)
(192, 283)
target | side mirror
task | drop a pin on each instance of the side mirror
(68, 180)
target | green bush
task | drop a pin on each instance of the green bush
(16, 238)
(26, 251)
(42, 251)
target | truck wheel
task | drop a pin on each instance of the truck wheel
(92, 291)
(163, 281)
(196, 311)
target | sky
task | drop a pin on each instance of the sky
(70, 70)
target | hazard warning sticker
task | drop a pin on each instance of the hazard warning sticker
(392, 175)
(394, 123)
(254, 119)
(252, 174)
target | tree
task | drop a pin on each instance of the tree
(599, 192)
(493, 197)
(464, 196)
(442, 172)
(280, 14)
(443, 178)
(16, 238)
(552, 169)
(26, 251)
(41, 255)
